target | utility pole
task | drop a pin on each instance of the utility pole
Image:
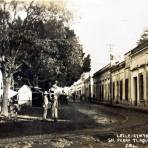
(90, 87)
(110, 70)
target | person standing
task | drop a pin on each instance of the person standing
(45, 105)
(54, 109)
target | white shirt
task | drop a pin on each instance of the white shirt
(45, 100)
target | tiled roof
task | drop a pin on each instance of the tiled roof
(104, 69)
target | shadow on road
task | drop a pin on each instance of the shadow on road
(70, 119)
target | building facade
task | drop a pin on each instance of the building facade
(101, 84)
(126, 82)
(83, 87)
(1, 86)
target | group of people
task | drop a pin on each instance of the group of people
(50, 100)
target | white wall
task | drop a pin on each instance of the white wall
(1, 85)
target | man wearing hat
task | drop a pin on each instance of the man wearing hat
(45, 105)
(54, 109)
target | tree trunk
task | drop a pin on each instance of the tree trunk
(7, 84)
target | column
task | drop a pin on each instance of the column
(146, 86)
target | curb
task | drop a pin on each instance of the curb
(131, 108)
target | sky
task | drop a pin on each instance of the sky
(104, 24)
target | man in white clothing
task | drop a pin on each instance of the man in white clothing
(45, 105)
(57, 91)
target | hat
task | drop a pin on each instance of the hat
(45, 93)
(51, 89)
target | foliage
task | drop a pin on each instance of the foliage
(143, 38)
(40, 48)
(87, 64)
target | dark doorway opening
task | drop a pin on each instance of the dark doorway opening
(141, 87)
(126, 89)
(121, 91)
(135, 90)
(113, 90)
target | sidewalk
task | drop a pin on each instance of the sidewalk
(27, 118)
(125, 106)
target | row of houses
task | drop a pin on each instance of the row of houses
(83, 87)
(125, 82)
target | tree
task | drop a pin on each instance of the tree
(41, 44)
(87, 64)
(62, 49)
(143, 38)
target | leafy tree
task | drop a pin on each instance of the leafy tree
(39, 48)
(143, 38)
(87, 64)
(60, 50)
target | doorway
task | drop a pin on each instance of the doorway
(135, 90)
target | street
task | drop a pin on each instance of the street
(73, 74)
(79, 125)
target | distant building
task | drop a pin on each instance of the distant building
(82, 86)
(101, 81)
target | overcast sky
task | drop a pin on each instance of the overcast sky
(99, 23)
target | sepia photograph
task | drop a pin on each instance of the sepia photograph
(73, 74)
